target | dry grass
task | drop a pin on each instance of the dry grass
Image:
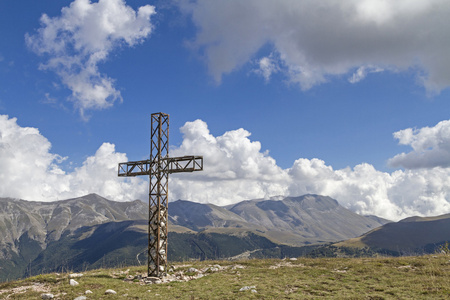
(424, 277)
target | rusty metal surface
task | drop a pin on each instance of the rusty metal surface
(158, 167)
(175, 165)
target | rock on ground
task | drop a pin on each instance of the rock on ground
(246, 288)
(73, 282)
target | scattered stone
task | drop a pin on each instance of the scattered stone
(73, 282)
(151, 280)
(129, 278)
(237, 267)
(286, 264)
(88, 292)
(168, 278)
(180, 275)
(293, 258)
(47, 296)
(110, 292)
(405, 267)
(253, 291)
(75, 275)
(246, 288)
(80, 298)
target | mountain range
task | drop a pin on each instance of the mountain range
(309, 219)
(91, 231)
(410, 236)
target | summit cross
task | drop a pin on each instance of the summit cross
(158, 168)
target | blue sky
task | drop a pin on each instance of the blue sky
(320, 85)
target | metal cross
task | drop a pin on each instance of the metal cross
(158, 167)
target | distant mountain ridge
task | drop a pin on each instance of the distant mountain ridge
(410, 236)
(47, 221)
(294, 220)
(89, 230)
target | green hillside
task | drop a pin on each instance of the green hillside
(410, 236)
(424, 277)
(125, 243)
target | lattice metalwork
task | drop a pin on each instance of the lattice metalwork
(158, 167)
(176, 165)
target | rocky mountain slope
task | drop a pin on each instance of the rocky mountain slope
(92, 231)
(27, 228)
(297, 221)
(45, 222)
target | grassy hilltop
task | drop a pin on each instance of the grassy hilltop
(415, 277)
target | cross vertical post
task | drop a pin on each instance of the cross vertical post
(158, 196)
(158, 167)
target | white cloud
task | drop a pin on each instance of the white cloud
(362, 72)
(235, 169)
(267, 66)
(431, 147)
(28, 169)
(75, 43)
(319, 39)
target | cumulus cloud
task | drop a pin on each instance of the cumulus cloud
(235, 169)
(30, 171)
(75, 43)
(431, 147)
(319, 39)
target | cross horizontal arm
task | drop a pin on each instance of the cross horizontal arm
(174, 165)
(185, 164)
(134, 168)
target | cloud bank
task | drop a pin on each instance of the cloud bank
(235, 169)
(315, 40)
(28, 170)
(75, 43)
